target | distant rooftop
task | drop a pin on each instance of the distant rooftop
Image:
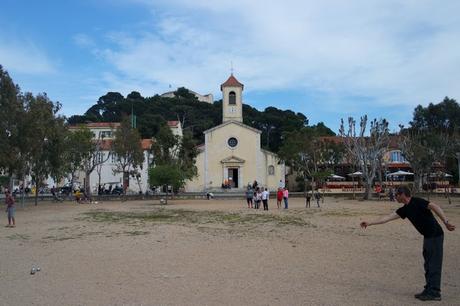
(203, 98)
(231, 82)
(97, 125)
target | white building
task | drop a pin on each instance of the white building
(203, 98)
(104, 174)
(232, 154)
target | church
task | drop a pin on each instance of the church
(231, 156)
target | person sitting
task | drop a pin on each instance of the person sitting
(55, 196)
(78, 195)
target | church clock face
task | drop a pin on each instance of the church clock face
(232, 142)
(232, 109)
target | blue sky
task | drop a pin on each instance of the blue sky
(328, 59)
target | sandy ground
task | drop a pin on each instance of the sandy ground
(318, 256)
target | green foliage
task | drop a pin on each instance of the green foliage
(195, 116)
(187, 156)
(43, 131)
(80, 148)
(127, 147)
(181, 152)
(444, 116)
(166, 174)
(433, 136)
(57, 148)
(165, 146)
(12, 144)
(311, 154)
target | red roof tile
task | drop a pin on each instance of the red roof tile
(173, 123)
(102, 124)
(112, 125)
(231, 82)
(106, 144)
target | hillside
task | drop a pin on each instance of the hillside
(195, 116)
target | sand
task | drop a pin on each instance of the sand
(218, 256)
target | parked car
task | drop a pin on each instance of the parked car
(117, 190)
(66, 190)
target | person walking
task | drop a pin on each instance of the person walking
(307, 199)
(279, 197)
(285, 197)
(391, 195)
(265, 196)
(249, 195)
(317, 197)
(420, 213)
(10, 209)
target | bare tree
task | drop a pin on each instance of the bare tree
(310, 155)
(93, 159)
(366, 150)
(100, 166)
(128, 150)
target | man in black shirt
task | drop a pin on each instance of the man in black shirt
(419, 213)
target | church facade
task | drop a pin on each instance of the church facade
(232, 155)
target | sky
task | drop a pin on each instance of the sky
(329, 59)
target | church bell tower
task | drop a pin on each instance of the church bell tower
(232, 102)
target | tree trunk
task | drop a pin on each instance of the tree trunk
(417, 183)
(368, 188)
(36, 193)
(88, 185)
(99, 182)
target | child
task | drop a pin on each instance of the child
(258, 198)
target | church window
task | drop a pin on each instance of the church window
(232, 98)
(271, 170)
(232, 142)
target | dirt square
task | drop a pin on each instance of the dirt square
(218, 252)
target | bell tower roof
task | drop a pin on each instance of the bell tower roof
(231, 82)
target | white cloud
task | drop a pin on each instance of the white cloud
(391, 51)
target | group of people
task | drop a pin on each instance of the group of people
(381, 193)
(417, 210)
(309, 195)
(256, 195)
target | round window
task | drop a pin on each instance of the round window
(232, 142)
